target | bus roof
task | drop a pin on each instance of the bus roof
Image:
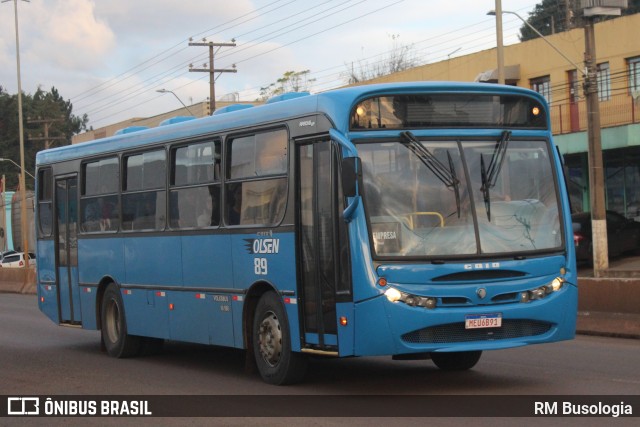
(335, 104)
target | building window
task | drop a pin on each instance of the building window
(542, 85)
(633, 65)
(604, 82)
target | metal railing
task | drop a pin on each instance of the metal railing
(568, 117)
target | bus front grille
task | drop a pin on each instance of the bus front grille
(455, 332)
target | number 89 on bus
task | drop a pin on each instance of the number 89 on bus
(260, 266)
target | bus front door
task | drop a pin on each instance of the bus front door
(67, 250)
(318, 244)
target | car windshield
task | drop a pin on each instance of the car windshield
(460, 198)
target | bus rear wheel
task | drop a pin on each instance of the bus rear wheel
(456, 361)
(276, 362)
(117, 341)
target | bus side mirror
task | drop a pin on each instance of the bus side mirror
(351, 176)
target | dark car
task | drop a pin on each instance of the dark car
(623, 235)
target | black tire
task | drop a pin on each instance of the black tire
(456, 361)
(117, 341)
(271, 339)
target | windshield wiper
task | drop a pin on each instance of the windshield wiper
(489, 175)
(446, 175)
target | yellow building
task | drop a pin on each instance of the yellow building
(534, 64)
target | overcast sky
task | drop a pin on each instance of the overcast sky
(109, 57)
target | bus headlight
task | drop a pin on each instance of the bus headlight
(540, 292)
(395, 295)
(557, 283)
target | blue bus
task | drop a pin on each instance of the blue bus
(416, 220)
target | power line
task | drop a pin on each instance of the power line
(181, 44)
(164, 77)
(319, 32)
(120, 95)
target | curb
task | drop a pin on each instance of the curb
(619, 325)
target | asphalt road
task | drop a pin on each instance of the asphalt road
(38, 357)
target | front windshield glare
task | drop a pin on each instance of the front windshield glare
(416, 209)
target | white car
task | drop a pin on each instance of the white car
(17, 260)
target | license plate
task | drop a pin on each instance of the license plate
(478, 321)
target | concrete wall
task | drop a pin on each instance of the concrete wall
(609, 306)
(18, 280)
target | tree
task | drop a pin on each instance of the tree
(40, 106)
(554, 16)
(399, 58)
(291, 81)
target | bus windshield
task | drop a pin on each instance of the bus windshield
(459, 198)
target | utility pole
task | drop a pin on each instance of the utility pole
(592, 9)
(45, 137)
(3, 215)
(596, 173)
(567, 15)
(211, 70)
(23, 196)
(499, 43)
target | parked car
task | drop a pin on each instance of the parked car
(623, 235)
(17, 260)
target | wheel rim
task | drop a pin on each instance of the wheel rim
(270, 339)
(113, 321)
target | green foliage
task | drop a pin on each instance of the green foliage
(555, 16)
(38, 107)
(291, 81)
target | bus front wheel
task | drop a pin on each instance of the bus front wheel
(117, 341)
(276, 362)
(456, 361)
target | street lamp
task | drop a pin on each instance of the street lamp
(17, 165)
(171, 92)
(494, 13)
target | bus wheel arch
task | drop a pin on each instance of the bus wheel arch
(114, 334)
(251, 299)
(265, 318)
(102, 287)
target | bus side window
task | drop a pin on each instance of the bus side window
(99, 207)
(194, 201)
(144, 197)
(45, 213)
(234, 204)
(257, 167)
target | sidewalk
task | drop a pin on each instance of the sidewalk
(610, 305)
